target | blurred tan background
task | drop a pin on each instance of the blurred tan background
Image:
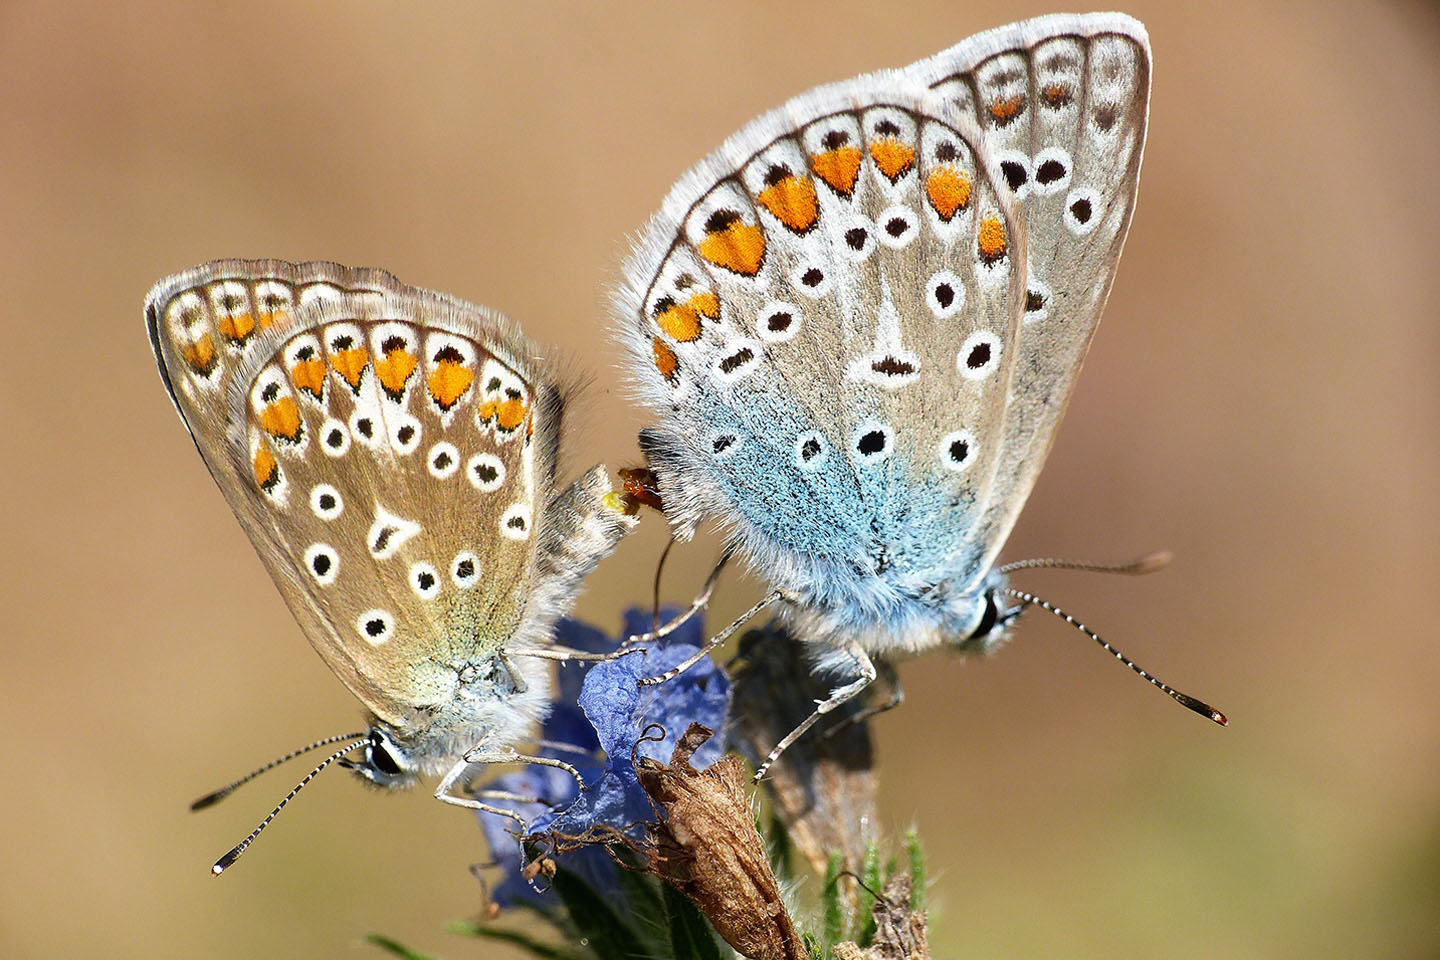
(1262, 398)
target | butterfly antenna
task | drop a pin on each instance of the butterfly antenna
(1149, 563)
(225, 862)
(1185, 700)
(213, 798)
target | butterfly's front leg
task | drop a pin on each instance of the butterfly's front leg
(442, 793)
(887, 674)
(838, 697)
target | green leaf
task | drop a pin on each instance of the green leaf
(523, 940)
(610, 937)
(917, 870)
(395, 947)
(691, 937)
(834, 907)
(870, 885)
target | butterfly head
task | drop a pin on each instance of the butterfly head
(987, 616)
(387, 761)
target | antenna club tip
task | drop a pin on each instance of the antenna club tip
(1219, 718)
(1154, 561)
(209, 800)
(216, 870)
(225, 862)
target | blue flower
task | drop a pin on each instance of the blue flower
(602, 707)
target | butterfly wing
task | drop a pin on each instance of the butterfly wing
(1063, 101)
(391, 454)
(823, 314)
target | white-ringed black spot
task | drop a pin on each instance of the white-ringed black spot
(443, 460)
(322, 563)
(424, 580)
(897, 227)
(334, 438)
(855, 238)
(872, 442)
(957, 450)
(486, 472)
(723, 445)
(944, 294)
(811, 279)
(1049, 171)
(515, 522)
(465, 569)
(326, 502)
(778, 322)
(811, 451)
(1082, 208)
(1052, 171)
(1015, 175)
(376, 626)
(979, 355)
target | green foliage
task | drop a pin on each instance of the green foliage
(647, 919)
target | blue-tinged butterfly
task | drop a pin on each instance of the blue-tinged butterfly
(859, 321)
(392, 455)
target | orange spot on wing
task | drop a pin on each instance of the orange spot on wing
(282, 419)
(509, 413)
(269, 318)
(737, 246)
(394, 370)
(1055, 95)
(679, 322)
(448, 382)
(838, 168)
(1004, 111)
(237, 329)
(706, 304)
(893, 158)
(992, 239)
(350, 364)
(309, 375)
(267, 471)
(793, 202)
(200, 355)
(948, 190)
(665, 360)
(487, 410)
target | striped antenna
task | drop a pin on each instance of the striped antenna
(1185, 700)
(211, 799)
(226, 861)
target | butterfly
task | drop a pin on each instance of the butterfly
(392, 454)
(859, 321)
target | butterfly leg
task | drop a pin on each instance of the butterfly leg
(712, 644)
(443, 794)
(482, 755)
(696, 606)
(838, 697)
(885, 673)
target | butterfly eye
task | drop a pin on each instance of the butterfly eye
(382, 758)
(979, 355)
(325, 501)
(944, 294)
(465, 570)
(323, 563)
(957, 450)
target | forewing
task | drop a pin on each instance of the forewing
(801, 313)
(386, 449)
(1063, 101)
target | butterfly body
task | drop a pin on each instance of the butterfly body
(391, 453)
(859, 321)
